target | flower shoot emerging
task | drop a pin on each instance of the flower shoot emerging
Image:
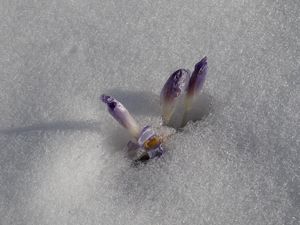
(197, 79)
(181, 87)
(174, 87)
(195, 85)
(120, 113)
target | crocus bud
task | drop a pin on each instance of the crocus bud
(120, 113)
(198, 77)
(195, 85)
(174, 87)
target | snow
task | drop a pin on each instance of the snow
(61, 154)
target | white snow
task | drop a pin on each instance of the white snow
(61, 158)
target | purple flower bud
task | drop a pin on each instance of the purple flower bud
(174, 87)
(120, 113)
(197, 78)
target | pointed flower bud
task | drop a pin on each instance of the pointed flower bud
(174, 87)
(197, 78)
(195, 85)
(120, 113)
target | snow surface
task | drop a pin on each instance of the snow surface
(61, 158)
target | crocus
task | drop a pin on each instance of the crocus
(151, 143)
(121, 114)
(147, 144)
(174, 87)
(181, 87)
(196, 82)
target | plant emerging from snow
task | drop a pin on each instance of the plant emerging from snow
(146, 143)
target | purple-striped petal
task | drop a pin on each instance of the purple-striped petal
(151, 143)
(145, 135)
(198, 77)
(148, 146)
(120, 113)
(174, 87)
(148, 139)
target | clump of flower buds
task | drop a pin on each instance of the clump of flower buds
(147, 143)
